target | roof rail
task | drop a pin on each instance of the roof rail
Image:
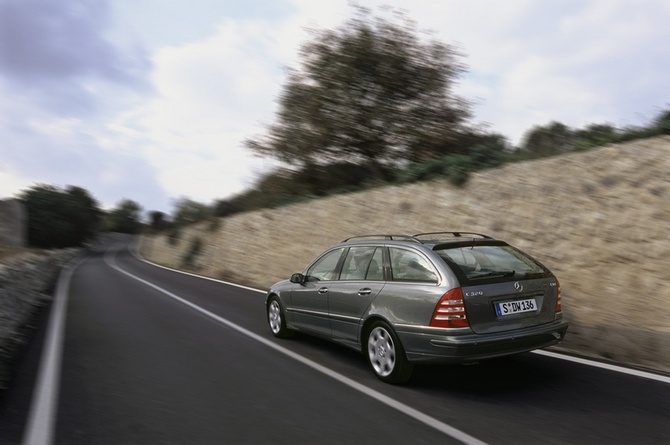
(454, 234)
(383, 236)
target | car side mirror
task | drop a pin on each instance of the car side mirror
(297, 278)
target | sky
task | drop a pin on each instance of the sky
(152, 100)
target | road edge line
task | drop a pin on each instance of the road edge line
(432, 422)
(43, 407)
(134, 251)
(610, 367)
(622, 369)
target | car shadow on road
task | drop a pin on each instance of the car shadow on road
(318, 347)
(517, 373)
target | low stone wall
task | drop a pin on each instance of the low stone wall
(599, 219)
(12, 223)
(27, 284)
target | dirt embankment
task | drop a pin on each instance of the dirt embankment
(599, 219)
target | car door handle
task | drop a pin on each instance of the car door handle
(323, 290)
(365, 291)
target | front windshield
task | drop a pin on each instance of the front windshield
(481, 262)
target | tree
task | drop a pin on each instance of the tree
(158, 221)
(596, 135)
(59, 218)
(662, 122)
(125, 217)
(188, 212)
(550, 139)
(227, 207)
(370, 92)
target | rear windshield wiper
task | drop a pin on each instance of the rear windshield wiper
(534, 275)
(493, 273)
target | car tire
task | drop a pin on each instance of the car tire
(386, 355)
(276, 320)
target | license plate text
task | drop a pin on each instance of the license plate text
(515, 307)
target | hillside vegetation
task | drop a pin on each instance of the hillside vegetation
(599, 219)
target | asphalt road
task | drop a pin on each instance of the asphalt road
(153, 356)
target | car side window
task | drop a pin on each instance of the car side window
(325, 268)
(407, 265)
(375, 270)
(361, 263)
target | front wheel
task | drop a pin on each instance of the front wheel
(276, 320)
(386, 355)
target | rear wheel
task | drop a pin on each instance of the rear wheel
(276, 320)
(386, 355)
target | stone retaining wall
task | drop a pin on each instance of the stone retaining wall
(599, 219)
(27, 284)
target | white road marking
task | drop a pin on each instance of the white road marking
(583, 361)
(388, 401)
(42, 414)
(609, 367)
(139, 256)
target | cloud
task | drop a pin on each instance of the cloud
(211, 96)
(128, 103)
(57, 54)
(64, 89)
(68, 151)
(577, 62)
(215, 92)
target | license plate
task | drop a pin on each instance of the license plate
(515, 307)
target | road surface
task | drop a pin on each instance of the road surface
(152, 356)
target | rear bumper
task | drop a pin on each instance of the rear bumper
(461, 345)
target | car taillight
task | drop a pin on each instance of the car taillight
(450, 311)
(558, 297)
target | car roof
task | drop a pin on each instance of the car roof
(431, 240)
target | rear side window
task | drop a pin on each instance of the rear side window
(481, 262)
(363, 263)
(407, 265)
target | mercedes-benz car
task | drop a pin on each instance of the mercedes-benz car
(429, 298)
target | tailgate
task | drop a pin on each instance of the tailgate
(510, 305)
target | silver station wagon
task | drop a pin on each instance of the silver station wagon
(443, 297)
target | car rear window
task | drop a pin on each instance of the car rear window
(497, 262)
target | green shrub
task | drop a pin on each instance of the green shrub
(214, 224)
(475, 151)
(662, 122)
(458, 170)
(194, 250)
(173, 236)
